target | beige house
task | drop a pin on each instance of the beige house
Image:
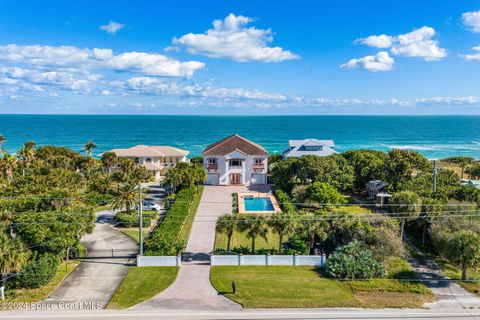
(156, 159)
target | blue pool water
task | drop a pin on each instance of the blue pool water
(258, 204)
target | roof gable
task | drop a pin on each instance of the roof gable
(235, 143)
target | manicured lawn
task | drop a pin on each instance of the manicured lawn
(37, 294)
(187, 225)
(304, 287)
(239, 239)
(352, 210)
(142, 283)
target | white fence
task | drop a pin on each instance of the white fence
(159, 261)
(266, 260)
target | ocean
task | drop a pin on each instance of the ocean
(433, 136)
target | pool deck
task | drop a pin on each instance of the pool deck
(241, 202)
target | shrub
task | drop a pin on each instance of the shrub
(353, 261)
(284, 201)
(164, 240)
(38, 272)
(125, 220)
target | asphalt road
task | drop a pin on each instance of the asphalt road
(247, 314)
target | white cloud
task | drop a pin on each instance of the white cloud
(69, 56)
(418, 43)
(473, 56)
(449, 101)
(379, 62)
(472, 20)
(232, 39)
(380, 41)
(112, 27)
(153, 64)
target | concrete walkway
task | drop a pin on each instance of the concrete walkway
(192, 288)
(97, 279)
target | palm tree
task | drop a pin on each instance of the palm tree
(313, 227)
(13, 255)
(7, 166)
(282, 224)
(109, 160)
(255, 226)
(126, 197)
(227, 224)
(174, 178)
(26, 154)
(88, 147)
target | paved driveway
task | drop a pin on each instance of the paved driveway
(97, 279)
(192, 288)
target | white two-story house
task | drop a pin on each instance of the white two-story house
(235, 161)
(156, 159)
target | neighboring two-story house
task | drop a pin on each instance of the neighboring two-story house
(156, 159)
(235, 161)
(315, 147)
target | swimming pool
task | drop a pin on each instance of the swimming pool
(258, 204)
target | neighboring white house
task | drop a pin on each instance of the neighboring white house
(316, 147)
(235, 160)
(156, 159)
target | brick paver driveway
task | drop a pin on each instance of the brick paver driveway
(192, 288)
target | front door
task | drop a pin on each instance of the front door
(235, 178)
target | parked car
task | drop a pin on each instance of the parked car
(148, 205)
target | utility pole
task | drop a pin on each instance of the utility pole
(434, 175)
(140, 219)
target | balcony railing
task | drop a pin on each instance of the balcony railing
(212, 166)
(259, 166)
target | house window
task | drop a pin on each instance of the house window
(312, 148)
(170, 160)
(212, 160)
(258, 161)
(148, 160)
(136, 161)
(235, 162)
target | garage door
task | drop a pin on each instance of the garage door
(258, 178)
(212, 178)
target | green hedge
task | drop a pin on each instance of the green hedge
(125, 220)
(37, 273)
(164, 240)
(285, 204)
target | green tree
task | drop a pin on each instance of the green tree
(2, 141)
(333, 170)
(255, 226)
(462, 162)
(313, 226)
(283, 225)
(88, 147)
(26, 154)
(8, 164)
(126, 197)
(109, 160)
(13, 255)
(367, 165)
(227, 224)
(284, 174)
(407, 206)
(431, 208)
(403, 165)
(463, 249)
(324, 194)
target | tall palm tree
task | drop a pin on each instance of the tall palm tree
(26, 154)
(313, 228)
(7, 166)
(109, 160)
(282, 224)
(227, 224)
(255, 226)
(13, 255)
(88, 147)
(126, 197)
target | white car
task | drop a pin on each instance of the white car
(147, 205)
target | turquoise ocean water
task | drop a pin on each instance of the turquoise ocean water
(433, 136)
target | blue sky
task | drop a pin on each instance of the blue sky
(261, 57)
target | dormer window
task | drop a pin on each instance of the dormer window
(212, 160)
(312, 148)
